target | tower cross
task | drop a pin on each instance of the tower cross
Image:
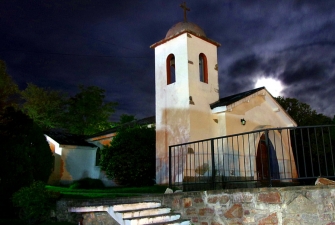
(184, 7)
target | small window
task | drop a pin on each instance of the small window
(203, 71)
(170, 69)
(97, 157)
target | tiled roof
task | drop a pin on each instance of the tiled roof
(234, 98)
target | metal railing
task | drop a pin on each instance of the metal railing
(268, 157)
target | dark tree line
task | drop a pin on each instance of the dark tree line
(84, 113)
(87, 112)
(313, 147)
(302, 113)
(25, 115)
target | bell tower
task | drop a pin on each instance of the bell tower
(186, 83)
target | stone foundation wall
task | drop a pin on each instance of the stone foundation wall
(289, 205)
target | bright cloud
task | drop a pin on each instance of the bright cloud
(272, 85)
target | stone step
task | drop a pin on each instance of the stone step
(175, 222)
(137, 213)
(164, 218)
(134, 206)
(144, 212)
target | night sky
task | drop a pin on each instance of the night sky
(63, 43)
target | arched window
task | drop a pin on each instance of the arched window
(170, 69)
(203, 70)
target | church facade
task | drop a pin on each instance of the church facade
(188, 106)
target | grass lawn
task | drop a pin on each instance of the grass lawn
(20, 222)
(113, 192)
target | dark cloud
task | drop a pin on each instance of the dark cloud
(304, 73)
(64, 43)
(244, 67)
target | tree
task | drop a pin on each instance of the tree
(302, 113)
(87, 112)
(130, 158)
(35, 202)
(124, 118)
(8, 88)
(45, 106)
(25, 154)
(308, 150)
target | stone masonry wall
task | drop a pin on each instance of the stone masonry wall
(289, 205)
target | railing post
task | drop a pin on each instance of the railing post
(170, 170)
(213, 164)
(269, 156)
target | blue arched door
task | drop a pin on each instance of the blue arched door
(264, 167)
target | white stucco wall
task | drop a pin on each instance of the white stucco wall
(260, 111)
(78, 163)
(73, 163)
(178, 121)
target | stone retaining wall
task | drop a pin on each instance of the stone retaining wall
(289, 205)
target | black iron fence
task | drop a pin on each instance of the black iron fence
(269, 157)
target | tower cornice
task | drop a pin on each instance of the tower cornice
(183, 32)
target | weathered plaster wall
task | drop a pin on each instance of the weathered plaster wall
(102, 140)
(289, 205)
(260, 112)
(56, 171)
(73, 163)
(257, 112)
(79, 162)
(178, 121)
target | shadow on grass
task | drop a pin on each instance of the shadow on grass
(113, 192)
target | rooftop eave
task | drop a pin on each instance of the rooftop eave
(77, 147)
(219, 109)
(277, 108)
(102, 137)
(49, 139)
(231, 104)
(183, 32)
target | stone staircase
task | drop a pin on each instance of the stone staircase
(137, 213)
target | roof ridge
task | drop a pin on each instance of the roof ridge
(234, 98)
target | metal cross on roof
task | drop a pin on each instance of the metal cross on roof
(184, 7)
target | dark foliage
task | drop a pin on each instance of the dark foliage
(45, 106)
(88, 112)
(8, 89)
(87, 183)
(35, 202)
(25, 153)
(302, 113)
(312, 147)
(130, 158)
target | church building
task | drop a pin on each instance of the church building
(188, 105)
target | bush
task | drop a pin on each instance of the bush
(87, 183)
(35, 202)
(130, 158)
(25, 156)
